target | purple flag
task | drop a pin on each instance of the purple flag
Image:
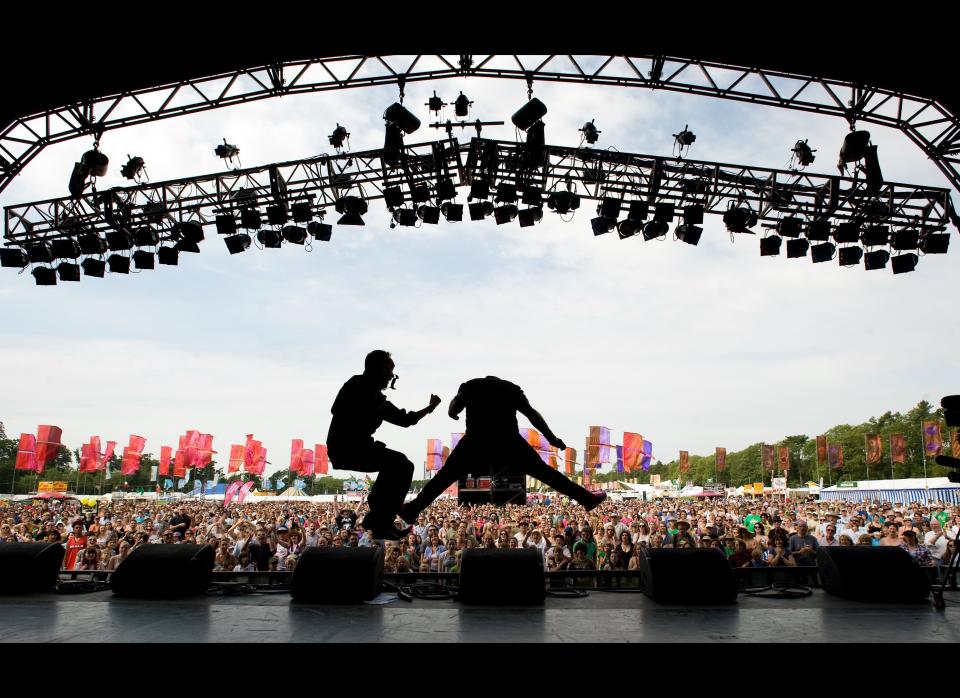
(647, 454)
(619, 459)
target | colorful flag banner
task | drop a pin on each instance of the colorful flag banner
(455, 439)
(570, 461)
(236, 458)
(230, 492)
(88, 462)
(179, 464)
(296, 464)
(434, 455)
(599, 446)
(48, 445)
(632, 451)
(206, 450)
(835, 456)
(874, 448)
(684, 461)
(27, 452)
(308, 459)
(166, 453)
(553, 460)
(783, 458)
(932, 439)
(244, 490)
(898, 448)
(321, 465)
(721, 459)
(647, 455)
(154, 472)
(181, 483)
(298, 483)
(107, 456)
(444, 454)
(267, 485)
(955, 443)
(255, 456)
(132, 455)
(95, 452)
(587, 477)
(821, 450)
(768, 457)
(168, 484)
(619, 459)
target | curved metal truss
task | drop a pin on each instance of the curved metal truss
(430, 172)
(926, 122)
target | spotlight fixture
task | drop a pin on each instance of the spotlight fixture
(876, 260)
(904, 240)
(903, 263)
(850, 256)
(352, 208)
(40, 253)
(770, 246)
(847, 232)
(95, 163)
(602, 224)
(739, 220)
(639, 210)
(609, 207)
(226, 151)
(590, 132)
(119, 240)
(480, 210)
(67, 271)
(452, 212)
(823, 252)
(445, 189)
(302, 212)
(935, 243)
(532, 196)
(528, 216)
(250, 218)
(871, 168)
(133, 168)
(818, 230)
(143, 259)
(663, 212)
(185, 245)
(797, 248)
(506, 193)
(45, 276)
(802, 153)
(167, 255)
(294, 234)
(392, 145)
(338, 136)
(462, 105)
(276, 214)
(13, 257)
(65, 249)
(693, 215)
(270, 238)
(320, 231)
(683, 140)
(429, 214)
(393, 197)
(479, 189)
(406, 217)
(420, 194)
(435, 104)
(189, 231)
(628, 228)
(118, 264)
(145, 236)
(529, 114)
(690, 234)
(789, 227)
(226, 225)
(94, 267)
(875, 236)
(398, 114)
(854, 148)
(655, 229)
(505, 214)
(563, 201)
(237, 243)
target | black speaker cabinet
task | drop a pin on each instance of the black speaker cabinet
(507, 577)
(337, 575)
(861, 573)
(688, 576)
(28, 567)
(164, 571)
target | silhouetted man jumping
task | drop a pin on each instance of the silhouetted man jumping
(493, 436)
(359, 410)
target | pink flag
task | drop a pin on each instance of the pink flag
(88, 462)
(165, 453)
(307, 458)
(236, 458)
(95, 452)
(48, 445)
(455, 439)
(632, 451)
(296, 446)
(191, 449)
(434, 454)
(26, 452)
(322, 463)
(242, 494)
(231, 492)
(111, 447)
(132, 454)
(179, 464)
(255, 457)
(206, 450)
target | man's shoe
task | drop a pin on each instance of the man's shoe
(391, 533)
(406, 514)
(596, 499)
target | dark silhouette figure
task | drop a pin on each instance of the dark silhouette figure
(359, 410)
(492, 436)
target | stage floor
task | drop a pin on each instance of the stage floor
(599, 617)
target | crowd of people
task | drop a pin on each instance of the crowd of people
(270, 535)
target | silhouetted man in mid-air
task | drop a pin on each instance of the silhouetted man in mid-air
(359, 410)
(493, 437)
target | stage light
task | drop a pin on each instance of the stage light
(797, 248)
(876, 260)
(154, 212)
(590, 132)
(133, 168)
(406, 217)
(803, 154)
(276, 215)
(338, 136)
(461, 105)
(392, 145)
(250, 218)
(846, 232)
(906, 239)
(226, 151)
(119, 240)
(480, 210)
(435, 104)
(40, 253)
(68, 271)
(78, 180)
(854, 147)
(789, 227)
(352, 208)
(685, 138)
(505, 214)
(93, 267)
(875, 236)
(850, 256)
(935, 243)
(190, 231)
(690, 234)
(398, 114)
(655, 229)
(320, 231)
(529, 114)
(452, 212)
(302, 212)
(823, 252)
(167, 255)
(639, 210)
(184, 245)
(770, 246)
(237, 243)
(871, 168)
(693, 215)
(602, 224)
(663, 212)
(95, 163)
(445, 189)
(45, 276)
(628, 228)
(429, 214)
(609, 207)
(739, 220)
(226, 225)
(532, 196)
(904, 263)
(506, 193)
(65, 249)
(118, 264)
(270, 238)
(143, 259)
(294, 234)
(563, 201)
(818, 230)
(420, 194)
(13, 257)
(529, 216)
(479, 189)
(393, 197)
(145, 236)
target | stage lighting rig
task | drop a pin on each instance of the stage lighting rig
(453, 213)
(227, 152)
(739, 220)
(92, 164)
(351, 209)
(45, 276)
(461, 106)
(590, 132)
(856, 147)
(13, 257)
(96, 267)
(689, 233)
(683, 140)
(338, 136)
(802, 154)
(134, 168)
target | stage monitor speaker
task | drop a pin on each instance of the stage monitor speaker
(164, 571)
(688, 576)
(28, 567)
(337, 575)
(860, 573)
(502, 577)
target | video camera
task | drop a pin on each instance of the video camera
(951, 412)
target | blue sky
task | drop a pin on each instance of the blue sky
(693, 347)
